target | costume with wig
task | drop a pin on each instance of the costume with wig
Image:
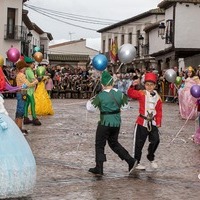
(187, 103)
(43, 104)
(17, 163)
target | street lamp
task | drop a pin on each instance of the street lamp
(29, 37)
(161, 30)
(141, 40)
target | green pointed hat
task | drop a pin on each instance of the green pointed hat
(106, 78)
(28, 59)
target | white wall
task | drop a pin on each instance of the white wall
(127, 28)
(73, 48)
(156, 43)
(187, 26)
(6, 44)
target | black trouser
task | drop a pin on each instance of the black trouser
(141, 135)
(110, 134)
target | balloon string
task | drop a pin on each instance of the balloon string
(181, 127)
(96, 85)
(119, 67)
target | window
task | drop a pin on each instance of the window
(122, 39)
(104, 46)
(11, 23)
(42, 48)
(109, 44)
(130, 38)
(169, 31)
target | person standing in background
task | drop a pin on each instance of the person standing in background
(30, 94)
(23, 83)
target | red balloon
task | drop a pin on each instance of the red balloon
(13, 54)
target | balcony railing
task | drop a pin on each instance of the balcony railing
(17, 33)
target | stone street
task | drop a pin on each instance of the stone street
(64, 151)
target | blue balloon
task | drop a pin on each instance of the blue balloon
(195, 91)
(100, 62)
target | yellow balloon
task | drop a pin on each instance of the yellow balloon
(1, 60)
(38, 56)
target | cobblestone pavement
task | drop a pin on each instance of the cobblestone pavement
(64, 150)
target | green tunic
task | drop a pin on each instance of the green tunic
(109, 103)
(31, 77)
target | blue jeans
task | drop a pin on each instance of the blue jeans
(20, 106)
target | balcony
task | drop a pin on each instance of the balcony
(17, 33)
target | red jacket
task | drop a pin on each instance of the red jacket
(149, 103)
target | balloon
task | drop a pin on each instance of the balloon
(13, 54)
(178, 80)
(38, 56)
(40, 71)
(36, 49)
(126, 53)
(1, 60)
(100, 62)
(195, 91)
(170, 75)
(11, 88)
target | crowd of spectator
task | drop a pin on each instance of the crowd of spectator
(69, 82)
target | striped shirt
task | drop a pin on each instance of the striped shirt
(21, 79)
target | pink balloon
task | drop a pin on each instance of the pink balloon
(13, 54)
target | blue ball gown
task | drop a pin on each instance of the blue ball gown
(17, 163)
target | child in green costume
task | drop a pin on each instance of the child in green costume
(109, 101)
(30, 94)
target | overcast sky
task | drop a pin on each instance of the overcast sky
(83, 10)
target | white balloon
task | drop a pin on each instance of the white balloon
(170, 75)
(90, 107)
(126, 53)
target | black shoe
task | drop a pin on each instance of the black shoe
(96, 171)
(132, 165)
(36, 122)
(24, 131)
(27, 120)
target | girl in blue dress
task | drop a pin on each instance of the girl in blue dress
(17, 164)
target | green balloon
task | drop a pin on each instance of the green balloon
(40, 71)
(178, 80)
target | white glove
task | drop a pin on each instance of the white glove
(125, 107)
(90, 107)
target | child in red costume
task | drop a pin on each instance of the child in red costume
(149, 119)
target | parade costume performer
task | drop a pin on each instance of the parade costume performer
(17, 164)
(149, 119)
(43, 104)
(2, 80)
(23, 83)
(109, 101)
(30, 94)
(196, 136)
(187, 103)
